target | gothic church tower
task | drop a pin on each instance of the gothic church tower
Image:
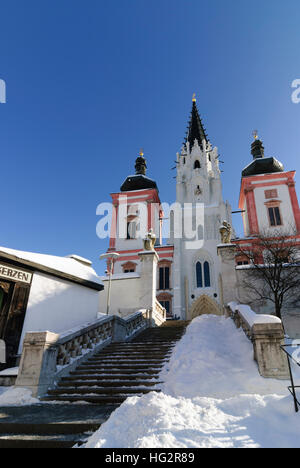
(196, 264)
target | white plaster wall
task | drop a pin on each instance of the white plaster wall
(125, 293)
(285, 208)
(56, 305)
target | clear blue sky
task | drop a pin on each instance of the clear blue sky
(90, 82)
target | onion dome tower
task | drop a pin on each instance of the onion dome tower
(260, 164)
(139, 181)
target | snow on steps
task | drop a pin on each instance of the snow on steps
(121, 369)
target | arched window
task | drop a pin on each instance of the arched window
(131, 229)
(207, 275)
(197, 164)
(129, 267)
(199, 275)
(164, 275)
(203, 275)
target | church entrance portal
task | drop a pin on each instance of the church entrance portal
(204, 305)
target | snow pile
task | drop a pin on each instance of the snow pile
(16, 396)
(214, 359)
(213, 396)
(161, 421)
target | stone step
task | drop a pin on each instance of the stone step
(120, 370)
(109, 372)
(107, 377)
(119, 367)
(94, 399)
(157, 341)
(109, 383)
(47, 428)
(136, 344)
(135, 350)
(100, 391)
(132, 354)
(51, 426)
(21, 441)
(137, 361)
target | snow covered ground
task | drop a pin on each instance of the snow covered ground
(213, 396)
(11, 396)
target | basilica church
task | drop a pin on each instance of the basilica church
(190, 275)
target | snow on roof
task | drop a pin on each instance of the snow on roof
(65, 265)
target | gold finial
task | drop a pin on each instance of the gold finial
(255, 134)
(194, 97)
(141, 152)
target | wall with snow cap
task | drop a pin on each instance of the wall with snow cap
(57, 305)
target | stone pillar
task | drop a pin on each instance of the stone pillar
(38, 362)
(228, 280)
(272, 361)
(149, 260)
(2, 352)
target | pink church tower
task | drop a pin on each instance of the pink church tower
(138, 210)
(268, 196)
(268, 199)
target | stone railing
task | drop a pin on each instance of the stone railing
(160, 313)
(74, 344)
(136, 323)
(267, 335)
(47, 357)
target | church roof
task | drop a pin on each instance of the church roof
(263, 166)
(260, 164)
(138, 182)
(196, 130)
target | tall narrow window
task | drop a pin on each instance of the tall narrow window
(164, 278)
(207, 275)
(199, 275)
(274, 216)
(131, 230)
(197, 165)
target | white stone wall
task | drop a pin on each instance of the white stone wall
(57, 305)
(125, 294)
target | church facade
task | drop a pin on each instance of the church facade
(188, 268)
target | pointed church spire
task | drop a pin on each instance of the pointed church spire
(196, 130)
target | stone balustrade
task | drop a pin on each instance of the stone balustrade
(47, 357)
(160, 313)
(267, 335)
